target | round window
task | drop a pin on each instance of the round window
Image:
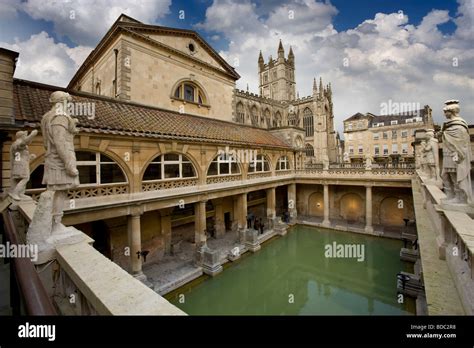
(191, 47)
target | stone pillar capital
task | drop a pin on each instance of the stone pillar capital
(136, 210)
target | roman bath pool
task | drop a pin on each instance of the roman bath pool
(302, 273)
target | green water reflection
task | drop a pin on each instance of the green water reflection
(294, 268)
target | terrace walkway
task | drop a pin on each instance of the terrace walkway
(441, 294)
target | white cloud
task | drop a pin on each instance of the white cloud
(46, 61)
(86, 21)
(389, 58)
(9, 8)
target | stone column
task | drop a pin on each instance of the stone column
(368, 210)
(200, 223)
(242, 215)
(166, 228)
(219, 218)
(135, 241)
(292, 202)
(271, 213)
(326, 222)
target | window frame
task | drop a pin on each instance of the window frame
(160, 159)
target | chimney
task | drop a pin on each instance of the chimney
(7, 68)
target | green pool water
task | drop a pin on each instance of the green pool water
(292, 276)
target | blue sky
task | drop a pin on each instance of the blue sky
(399, 50)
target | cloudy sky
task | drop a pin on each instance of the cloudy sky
(406, 51)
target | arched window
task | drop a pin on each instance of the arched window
(223, 164)
(97, 88)
(240, 113)
(266, 113)
(259, 164)
(169, 166)
(94, 169)
(309, 150)
(254, 113)
(283, 163)
(292, 119)
(277, 120)
(190, 92)
(308, 123)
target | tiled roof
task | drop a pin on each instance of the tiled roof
(356, 116)
(400, 118)
(31, 102)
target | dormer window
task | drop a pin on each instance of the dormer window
(190, 92)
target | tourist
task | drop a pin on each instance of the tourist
(261, 226)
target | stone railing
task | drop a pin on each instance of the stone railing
(87, 191)
(90, 284)
(223, 178)
(283, 172)
(351, 171)
(168, 184)
(259, 175)
(451, 226)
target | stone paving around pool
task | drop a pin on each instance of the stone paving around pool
(173, 271)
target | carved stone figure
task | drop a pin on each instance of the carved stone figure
(423, 160)
(429, 149)
(346, 158)
(325, 162)
(20, 164)
(60, 172)
(60, 175)
(368, 160)
(456, 156)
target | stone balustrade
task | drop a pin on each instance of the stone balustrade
(168, 184)
(90, 284)
(450, 229)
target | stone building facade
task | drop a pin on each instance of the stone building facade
(385, 138)
(277, 105)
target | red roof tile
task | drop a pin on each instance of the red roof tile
(31, 101)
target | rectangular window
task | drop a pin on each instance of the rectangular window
(404, 134)
(189, 93)
(394, 122)
(395, 148)
(376, 136)
(394, 134)
(349, 126)
(351, 150)
(409, 120)
(361, 149)
(376, 150)
(350, 136)
(385, 135)
(385, 149)
(404, 148)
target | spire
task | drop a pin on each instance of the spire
(247, 87)
(315, 87)
(291, 57)
(290, 54)
(321, 86)
(261, 62)
(281, 51)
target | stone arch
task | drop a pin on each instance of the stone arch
(194, 162)
(316, 204)
(254, 117)
(208, 164)
(390, 214)
(352, 207)
(309, 150)
(240, 112)
(192, 82)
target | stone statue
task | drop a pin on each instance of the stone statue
(368, 160)
(325, 162)
(60, 172)
(346, 158)
(60, 175)
(20, 164)
(456, 156)
(429, 149)
(423, 160)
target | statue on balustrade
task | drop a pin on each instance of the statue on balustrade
(456, 156)
(368, 160)
(429, 150)
(60, 171)
(20, 158)
(60, 174)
